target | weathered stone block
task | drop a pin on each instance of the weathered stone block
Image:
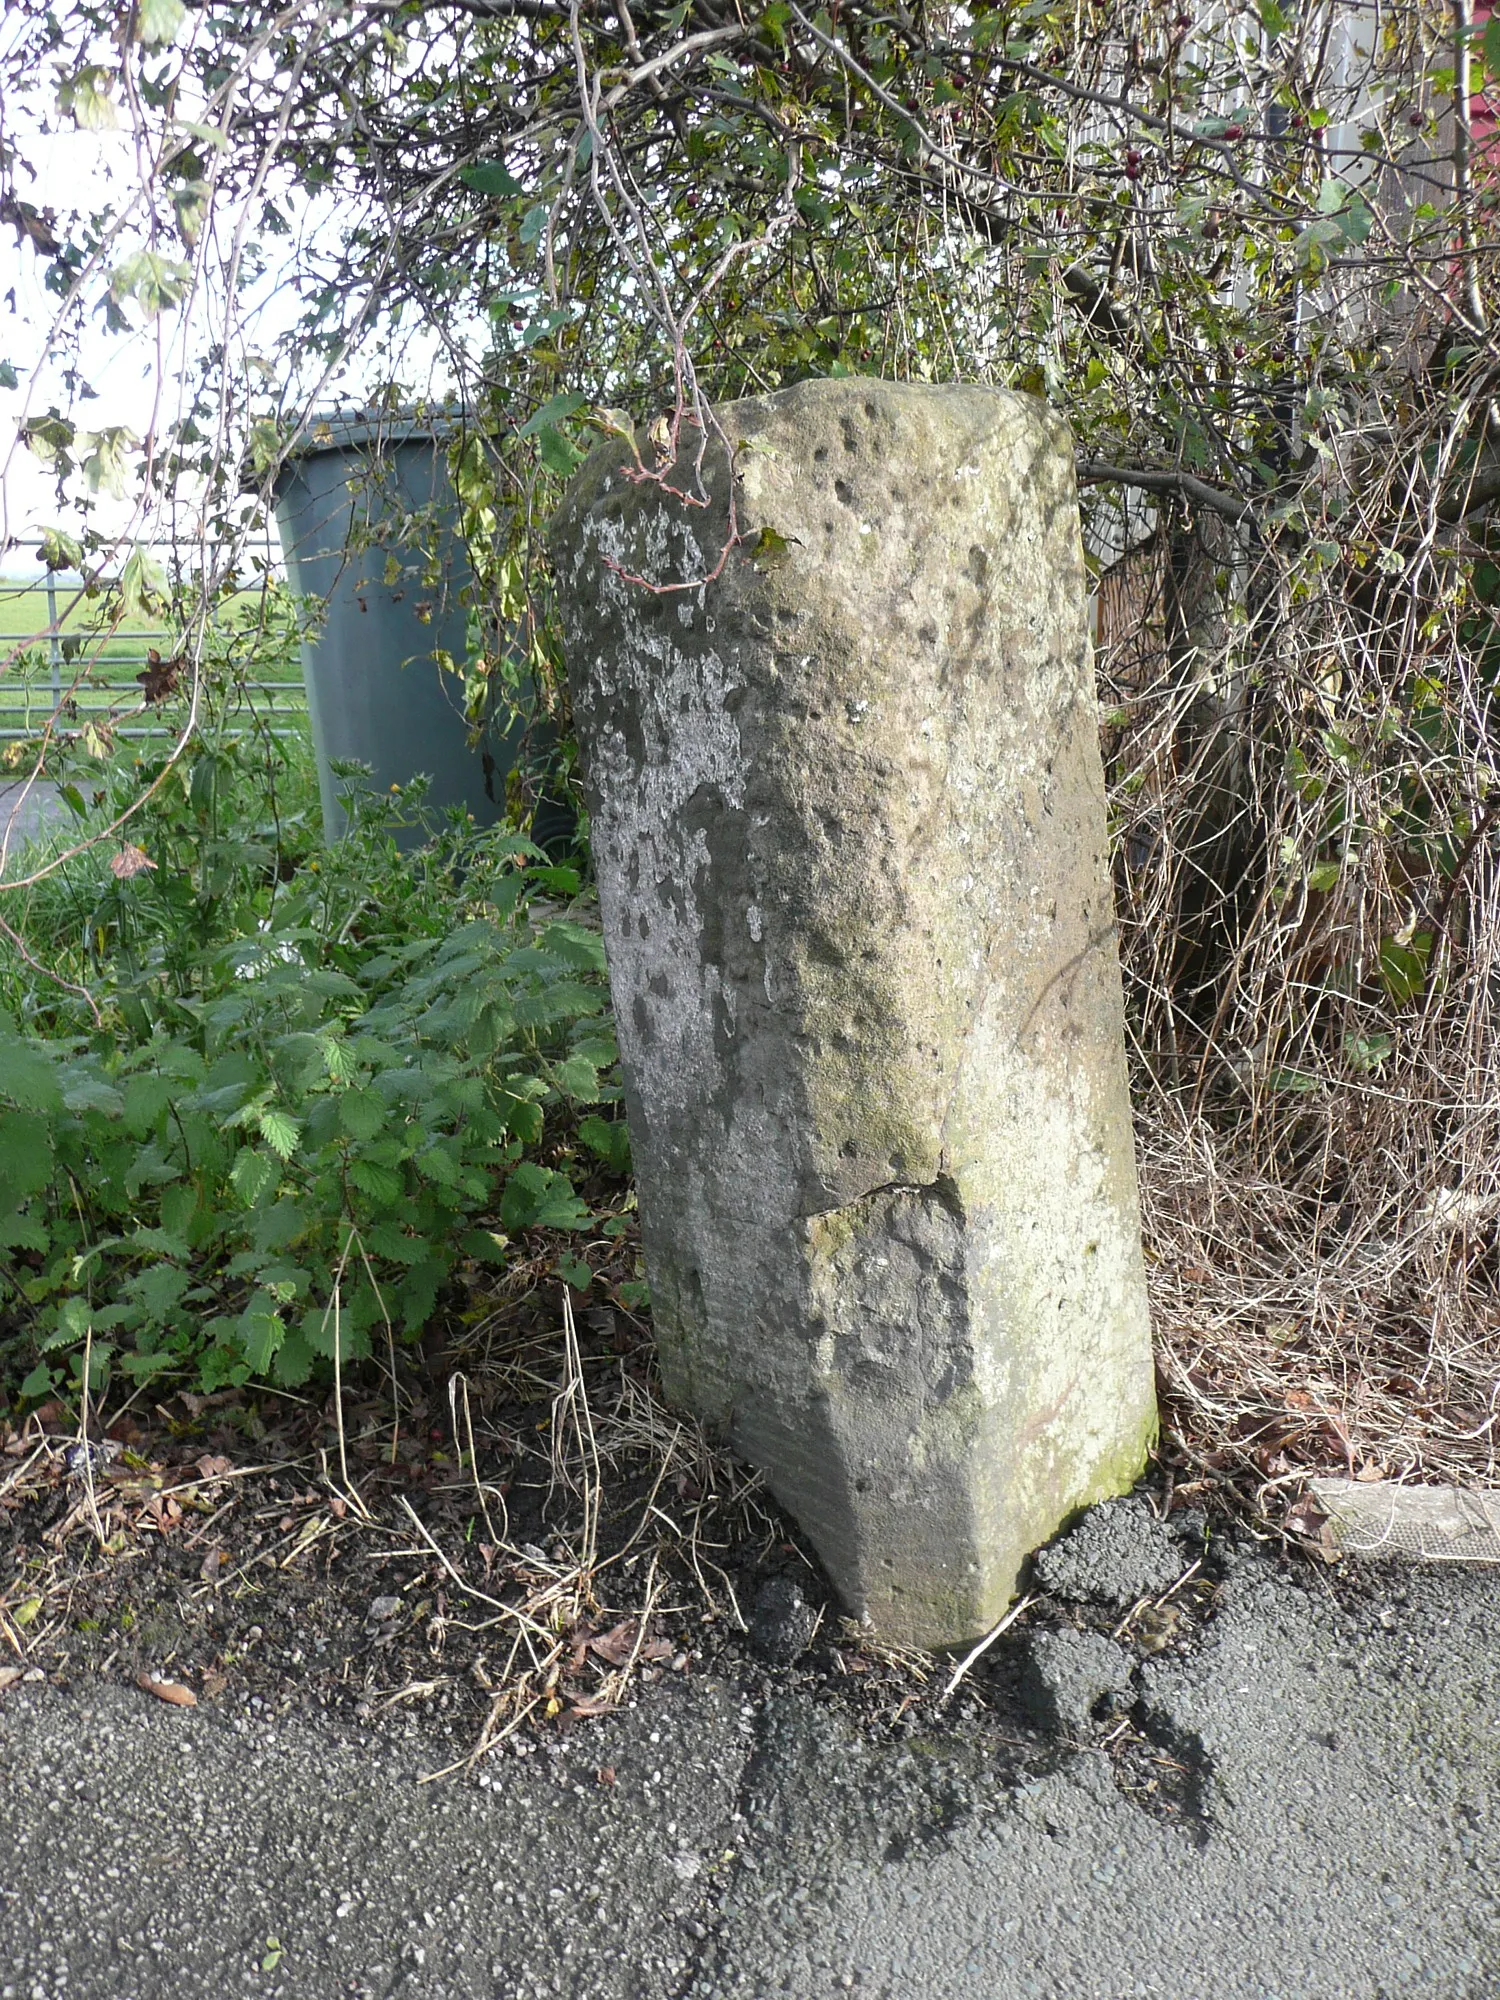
(850, 837)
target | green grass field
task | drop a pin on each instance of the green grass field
(24, 625)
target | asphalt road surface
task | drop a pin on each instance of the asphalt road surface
(1336, 1836)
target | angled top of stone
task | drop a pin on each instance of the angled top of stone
(897, 455)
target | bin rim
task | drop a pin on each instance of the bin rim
(357, 430)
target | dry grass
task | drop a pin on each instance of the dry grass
(1306, 796)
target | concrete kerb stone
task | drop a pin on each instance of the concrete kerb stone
(848, 823)
(1382, 1519)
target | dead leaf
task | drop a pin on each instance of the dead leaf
(605, 1774)
(617, 1644)
(160, 677)
(212, 1563)
(131, 860)
(32, 225)
(10, 1675)
(213, 1467)
(214, 1684)
(168, 1691)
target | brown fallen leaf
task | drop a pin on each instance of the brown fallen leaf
(10, 1675)
(170, 1691)
(617, 1644)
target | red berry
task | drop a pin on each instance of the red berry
(1132, 170)
(1239, 350)
(1234, 131)
(1184, 20)
(1415, 118)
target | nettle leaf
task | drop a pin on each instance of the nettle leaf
(577, 1078)
(381, 1184)
(537, 1198)
(609, 1140)
(575, 945)
(253, 1175)
(262, 1330)
(92, 1093)
(158, 1290)
(28, 1075)
(361, 1113)
(280, 1132)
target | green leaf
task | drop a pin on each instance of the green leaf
(1403, 965)
(28, 1075)
(262, 1331)
(537, 1198)
(379, 1183)
(1325, 876)
(143, 585)
(158, 21)
(577, 1078)
(490, 177)
(85, 97)
(361, 1113)
(609, 1139)
(554, 411)
(771, 549)
(253, 1175)
(1368, 1052)
(280, 1132)
(557, 453)
(38, 1384)
(150, 280)
(92, 1093)
(485, 1246)
(576, 1272)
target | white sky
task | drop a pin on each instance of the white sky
(138, 378)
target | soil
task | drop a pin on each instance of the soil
(487, 1560)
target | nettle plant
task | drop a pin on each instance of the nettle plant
(271, 1152)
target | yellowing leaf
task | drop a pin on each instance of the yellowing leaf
(157, 21)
